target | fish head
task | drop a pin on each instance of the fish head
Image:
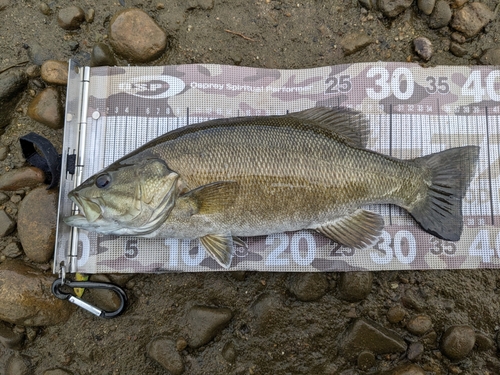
(126, 199)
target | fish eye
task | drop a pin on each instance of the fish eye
(103, 180)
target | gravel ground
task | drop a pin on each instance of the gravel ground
(432, 322)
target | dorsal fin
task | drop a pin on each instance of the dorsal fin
(351, 125)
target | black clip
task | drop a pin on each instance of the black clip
(58, 283)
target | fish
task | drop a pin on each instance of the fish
(224, 179)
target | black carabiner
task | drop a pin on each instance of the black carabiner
(58, 283)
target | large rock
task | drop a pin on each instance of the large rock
(26, 298)
(12, 83)
(36, 223)
(472, 18)
(47, 108)
(20, 178)
(136, 36)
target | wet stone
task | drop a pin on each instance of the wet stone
(9, 338)
(355, 42)
(458, 50)
(12, 250)
(391, 8)
(491, 57)
(471, 19)
(426, 6)
(423, 47)
(136, 36)
(12, 83)
(457, 342)
(354, 286)
(364, 334)
(47, 108)
(366, 360)
(441, 15)
(102, 56)
(70, 18)
(16, 179)
(229, 352)
(396, 314)
(55, 72)
(308, 286)
(415, 351)
(204, 323)
(7, 225)
(36, 222)
(164, 352)
(18, 365)
(26, 298)
(419, 325)
(483, 342)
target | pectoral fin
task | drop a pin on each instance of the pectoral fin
(220, 247)
(212, 198)
(359, 230)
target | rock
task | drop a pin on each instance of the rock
(55, 72)
(102, 55)
(163, 351)
(491, 57)
(3, 198)
(354, 286)
(396, 314)
(204, 323)
(458, 50)
(12, 250)
(415, 351)
(200, 4)
(419, 325)
(412, 300)
(267, 310)
(135, 36)
(36, 223)
(12, 83)
(430, 339)
(368, 4)
(471, 19)
(391, 8)
(441, 15)
(457, 37)
(309, 286)
(90, 15)
(9, 338)
(47, 108)
(483, 342)
(103, 298)
(366, 360)
(18, 365)
(457, 342)
(7, 225)
(57, 371)
(458, 3)
(406, 369)
(24, 177)
(70, 18)
(426, 6)
(355, 42)
(423, 47)
(229, 352)
(26, 297)
(365, 334)
(44, 9)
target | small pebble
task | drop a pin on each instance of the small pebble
(491, 57)
(413, 300)
(3, 198)
(70, 18)
(47, 108)
(12, 250)
(457, 37)
(33, 71)
(458, 50)
(55, 72)
(392, 8)
(415, 351)
(354, 286)
(470, 19)
(407, 369)
(163, 351)
(430, 339)
(483, 342)
(419, 325)
(7, 225)
(457, 342)
(426, 6)
(229, 352)
(18, 365)
(102, 55)
(204, 323)
(12, 84)
(396, 314)
(308, 286)
(441, 15)
(423, 47)
(355, 42)
(57, 371)
(181, 344)
(9, 338)
(267, 310)
(366, 360)
(4, 152)
(90, 15)
(44, 8)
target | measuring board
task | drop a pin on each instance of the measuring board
(413, 111)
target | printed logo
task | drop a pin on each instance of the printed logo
(153, 87)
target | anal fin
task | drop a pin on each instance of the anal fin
(220, 247)
(360, 230)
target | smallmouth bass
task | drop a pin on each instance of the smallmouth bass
(249, 176)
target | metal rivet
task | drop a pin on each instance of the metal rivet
(96, 115)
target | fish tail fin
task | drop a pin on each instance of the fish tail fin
(440, 211)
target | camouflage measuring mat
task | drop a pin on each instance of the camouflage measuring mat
(413, 111)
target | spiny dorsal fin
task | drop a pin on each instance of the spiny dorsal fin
(220, 247)
(212, 198)
(360, 230)
(351, 125)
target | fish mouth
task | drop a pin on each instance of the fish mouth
(89, 211)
